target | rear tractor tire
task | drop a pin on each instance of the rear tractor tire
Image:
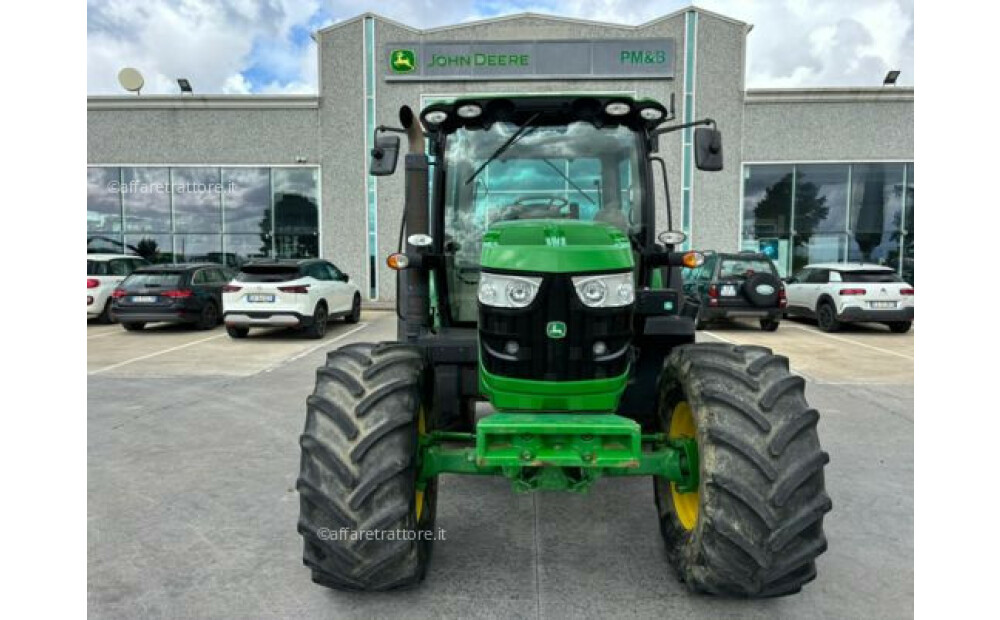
(359, 468)
(755, 526)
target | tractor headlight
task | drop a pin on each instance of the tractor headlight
(503, 291)
(605, 291)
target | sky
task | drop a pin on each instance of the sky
(263, 46)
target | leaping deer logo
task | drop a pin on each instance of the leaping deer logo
(403, 61)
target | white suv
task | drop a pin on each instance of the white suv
(104, 273)
(289, 293)
(836, 293)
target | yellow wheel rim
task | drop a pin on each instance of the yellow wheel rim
(685, 504)
(418, 499)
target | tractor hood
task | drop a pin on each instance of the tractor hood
(556, 246)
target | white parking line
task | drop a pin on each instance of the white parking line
(717, 337)
(146, 357)
(324, 343)
(855, 342)
(103, 334)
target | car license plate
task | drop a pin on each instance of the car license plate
(260, 299)
(728, 290)
(144, 299)
(882, 305)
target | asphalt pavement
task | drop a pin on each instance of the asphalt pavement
(193, 455)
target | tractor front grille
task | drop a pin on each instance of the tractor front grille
(543, 358)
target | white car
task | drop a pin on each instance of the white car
(837, 293)
(289, 293)
(104, 273)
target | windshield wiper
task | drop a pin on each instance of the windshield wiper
(569, 180)
(521, 131)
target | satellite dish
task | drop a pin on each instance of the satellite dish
(130, 79)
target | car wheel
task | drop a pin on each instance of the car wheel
(699, 323)
(355, 314)
(769, 325)
(899, 327)
(209, 316)
(318, 328)
(237, 332)
(826, 317)
(104, 318)
(133, 327)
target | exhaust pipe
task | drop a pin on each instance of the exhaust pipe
(415, 293)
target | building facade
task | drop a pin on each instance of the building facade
(811, 175)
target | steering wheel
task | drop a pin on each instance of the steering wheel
(548, 200)
(537, 207)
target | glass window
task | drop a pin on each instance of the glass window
(104, 243)
(154, 248)
(247, 200)
(868, 277)
(146, 198)
(334, 273)
(820, 199)
(841, 212)
(876, 213)
(738, 268)
(906, 269)
(818, 276)
(197, 200)
(153, 279)
(811, 249)
(270, 273)
(120, 267)
(225, 215)
(104, 200)
(243, 248)
(296, 208)
(198, 248)
(200, 277)
(572, 172)
(296, 212)
(767, 201)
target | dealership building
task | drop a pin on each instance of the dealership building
(811, 175)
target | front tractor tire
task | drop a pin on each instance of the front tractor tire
(359, 468)
(755, 526)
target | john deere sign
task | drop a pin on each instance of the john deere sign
(607, 59)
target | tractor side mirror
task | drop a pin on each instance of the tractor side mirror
(385, 153)
(708, 149)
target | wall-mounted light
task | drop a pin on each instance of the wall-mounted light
(890, 78)
(185, 85)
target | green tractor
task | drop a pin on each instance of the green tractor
(543, 336)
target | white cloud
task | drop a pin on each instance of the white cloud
(227, 46)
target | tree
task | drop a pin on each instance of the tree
(773, 212)
(148, 248)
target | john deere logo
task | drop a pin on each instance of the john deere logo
(556, 329)
(403, 61)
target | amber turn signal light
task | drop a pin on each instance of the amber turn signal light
(693, 259)
(397, 261)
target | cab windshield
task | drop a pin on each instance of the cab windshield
(574, 171)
